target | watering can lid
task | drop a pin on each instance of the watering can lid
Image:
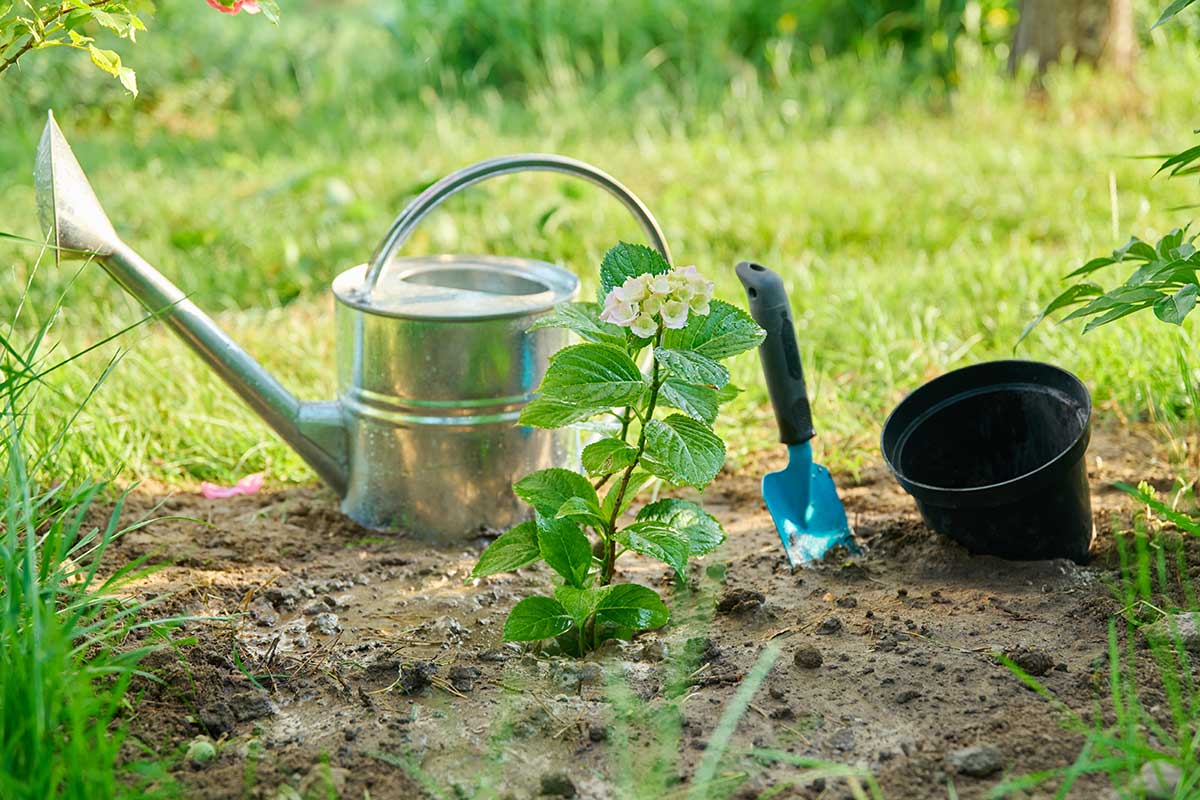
(459, 287)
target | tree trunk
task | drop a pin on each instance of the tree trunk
(1094, 31)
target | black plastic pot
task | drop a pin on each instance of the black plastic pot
(994, 456)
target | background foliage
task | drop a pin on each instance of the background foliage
(918, 229)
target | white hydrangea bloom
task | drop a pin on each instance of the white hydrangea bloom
(642, 302)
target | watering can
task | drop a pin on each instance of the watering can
(435, 359)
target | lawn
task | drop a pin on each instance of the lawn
(917, 231)
(912, 241)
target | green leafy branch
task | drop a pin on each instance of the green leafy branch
(26, 25)
(597, 378)
(1164, 281)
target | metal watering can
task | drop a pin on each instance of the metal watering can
(435, 360)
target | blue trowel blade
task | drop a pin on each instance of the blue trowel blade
(806, 509)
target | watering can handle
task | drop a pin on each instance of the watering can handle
(402, 227)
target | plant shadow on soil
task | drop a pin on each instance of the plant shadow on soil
(352, 661)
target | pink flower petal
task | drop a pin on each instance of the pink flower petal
(249, 6)
(247, 485)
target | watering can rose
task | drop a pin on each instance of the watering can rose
(665, 318)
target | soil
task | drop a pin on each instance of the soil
(337, 658)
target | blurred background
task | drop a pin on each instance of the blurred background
(922, 171)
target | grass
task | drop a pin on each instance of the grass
(70, 642)
(260, 162)
(912, 243)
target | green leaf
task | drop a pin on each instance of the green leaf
(583, 319)
(724, 332)
(516, 548)
(579, 603)
(636, 481)
(654, 539)
(608, 455)
(627, 261)
(547, 412)
(1113, 315)
(1174, 308)
(698, 402)
(628, 605)
(1136, 249)
(565, 548)
(727, 393)
(597, 375)
(683, 451)
(703, 532)
(128, 79)
(1072, 296)
(536, 618)
(1120, 297)
(584, 512)
(692, 367)
(1092, 266)
(1172, 10)
(270, 10)
(106, 60)
(547, 489)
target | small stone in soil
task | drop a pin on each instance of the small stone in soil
(325, 623)
(653, 651)
(201, 751)
(829, 626)
(1182, 628)
(979, 761)
(808, 657)
(1160, 779)
(556, 784)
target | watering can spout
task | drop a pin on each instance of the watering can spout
(75, 224)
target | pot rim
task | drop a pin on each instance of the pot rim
(403, 299)
(1001, 492)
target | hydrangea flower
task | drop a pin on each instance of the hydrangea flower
(249, 6)
(642, 301)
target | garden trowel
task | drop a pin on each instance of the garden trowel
(801, 498)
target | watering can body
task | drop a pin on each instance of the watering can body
(435, 357)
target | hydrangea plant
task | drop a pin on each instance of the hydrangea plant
(660, 420)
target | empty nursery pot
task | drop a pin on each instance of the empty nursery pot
(994, 456)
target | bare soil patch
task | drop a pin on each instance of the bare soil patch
(364, 662)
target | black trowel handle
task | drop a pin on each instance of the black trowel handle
(779, 354)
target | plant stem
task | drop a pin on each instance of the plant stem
(610, 546)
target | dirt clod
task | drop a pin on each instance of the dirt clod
(979, 761)
(808, 657)
(463, 677)
(557, 784)
(740, 601)
(1031, 660)
(415, 677)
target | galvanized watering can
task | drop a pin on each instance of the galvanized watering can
(434, 357)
